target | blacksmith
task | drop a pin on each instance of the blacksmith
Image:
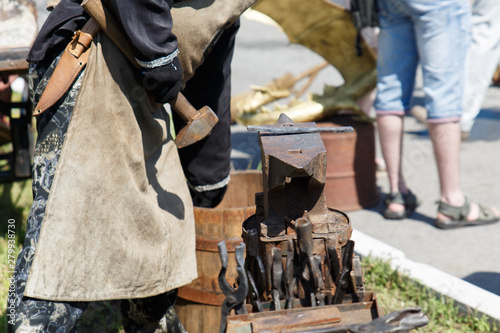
(112, 216)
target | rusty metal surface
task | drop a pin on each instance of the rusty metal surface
(300, 318)
(294, 175)
(235, 297)
(197, 127)
(279, 320)
(300, 268)
(292, 129)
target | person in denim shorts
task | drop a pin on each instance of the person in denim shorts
(435, 34)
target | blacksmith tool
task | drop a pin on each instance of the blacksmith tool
(357, 278)
(277, 275)
(199, 123)
(310, 271)
(291, 129)
(320, 297)
(235, 298)
(344, 279)
(333, 270)
(253, 294)
(397, 321)
(289, 275)
(253, 261)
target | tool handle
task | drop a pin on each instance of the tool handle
(223, 254)
(304, 236)
(91, 27)
(109, 24)
(182, 106)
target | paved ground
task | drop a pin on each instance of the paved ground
(263, 53)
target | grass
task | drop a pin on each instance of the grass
(15, 201)
(396, 291)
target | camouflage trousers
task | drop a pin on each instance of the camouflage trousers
(153, 314)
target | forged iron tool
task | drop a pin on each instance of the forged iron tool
(394, 322)
(289, 275)
(357, 277)
(397, 321)
(253, 261)
(310, 272)
(333, 269)
(345, 275)
(254, 294)
(320, 297)
(277, 275)
(199, 123)
(235, 298)
(328, 285)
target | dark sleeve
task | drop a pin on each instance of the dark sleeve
(148, 26)
(66, 18)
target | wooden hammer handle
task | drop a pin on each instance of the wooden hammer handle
(109, 24)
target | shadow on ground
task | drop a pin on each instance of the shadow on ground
(489, 281)
(416, 215)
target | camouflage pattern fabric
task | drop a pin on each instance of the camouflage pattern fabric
(153, 314)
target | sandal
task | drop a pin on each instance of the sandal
(409, 200)
(458, 216)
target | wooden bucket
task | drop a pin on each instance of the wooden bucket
(199, 303)
(351, 170)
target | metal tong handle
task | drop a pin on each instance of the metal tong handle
(305, 242)
(235, 298)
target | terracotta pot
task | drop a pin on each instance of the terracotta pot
(351, 170)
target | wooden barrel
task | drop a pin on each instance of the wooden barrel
(199, 303)
(351, 170)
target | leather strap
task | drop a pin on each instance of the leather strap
(71, 63)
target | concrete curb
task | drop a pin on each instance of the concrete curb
(445, 284)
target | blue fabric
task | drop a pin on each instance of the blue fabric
(433, 33)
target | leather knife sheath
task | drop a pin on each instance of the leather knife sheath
(71, 63)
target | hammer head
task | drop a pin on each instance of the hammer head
(198, 128)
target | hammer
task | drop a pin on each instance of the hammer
(199, 122)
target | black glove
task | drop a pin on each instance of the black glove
(164, 82)
(208, 199)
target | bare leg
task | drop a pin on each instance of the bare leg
(390, 129)
(445, 139)
(446, 142)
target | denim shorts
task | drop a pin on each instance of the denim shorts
(433, 33)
